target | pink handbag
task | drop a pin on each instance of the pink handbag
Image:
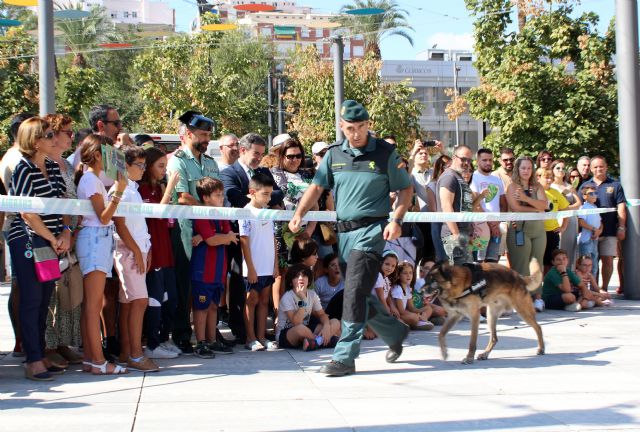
(46, 264)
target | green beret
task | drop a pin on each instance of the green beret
(352, 111)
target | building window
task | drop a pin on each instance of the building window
(125, 14)
(266, 31)
(134, 14)
(319, 32)
(304, 31)
(320, 47)
(114, 15)
(358, 51)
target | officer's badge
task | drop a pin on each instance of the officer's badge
(372, 165)
(610, 189)
(202, 299)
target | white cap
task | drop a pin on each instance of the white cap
(317, 147)
(279, 139)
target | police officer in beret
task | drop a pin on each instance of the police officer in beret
(192, 163)
(362, 171)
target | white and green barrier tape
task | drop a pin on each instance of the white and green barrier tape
(14, 204)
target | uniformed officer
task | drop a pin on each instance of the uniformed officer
(362, 171)
(192, 163)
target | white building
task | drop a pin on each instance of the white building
(136, 12)
(431, 77)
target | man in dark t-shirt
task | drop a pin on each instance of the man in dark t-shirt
(453, 195)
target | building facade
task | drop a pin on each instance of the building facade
(431, 78)
(152, 13)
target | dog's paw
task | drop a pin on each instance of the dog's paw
(467, 360)
(540, 352)
(444, 353)
(483, 356)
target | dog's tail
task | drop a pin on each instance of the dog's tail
(533, 282)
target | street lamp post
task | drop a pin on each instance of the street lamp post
(456, 69)
(338, 82)
(46, 58)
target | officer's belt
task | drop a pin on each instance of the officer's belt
(352, 225)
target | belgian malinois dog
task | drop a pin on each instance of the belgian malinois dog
(465, 289)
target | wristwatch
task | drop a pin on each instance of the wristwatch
(397, 220)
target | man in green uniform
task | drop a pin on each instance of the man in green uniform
(362, 171)
(192, 163)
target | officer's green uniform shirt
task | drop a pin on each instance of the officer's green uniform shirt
(361, 189)
(191, 170)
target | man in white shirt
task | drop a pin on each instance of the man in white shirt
(493, 202)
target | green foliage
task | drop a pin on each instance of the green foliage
(222, 75)
(310, 100)
(77, 90)
(18, 80)
(549, 86)
(393, 22)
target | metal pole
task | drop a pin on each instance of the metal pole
(629, 124)
(456, 69)
(46, 58)
(338, 82)
(281, 127)
(270, 107)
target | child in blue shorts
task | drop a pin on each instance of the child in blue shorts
(590, 228)
(209, 269)
(260, 264)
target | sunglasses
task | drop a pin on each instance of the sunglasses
(546, 159)
(116, 123)
(294, 156)
(507, 160)
(591, 194)
(322, 153)
(48, 135)
(140, 165)
(574, 176)
(464, 159)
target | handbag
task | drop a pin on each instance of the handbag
(329, 236)
(45, 259)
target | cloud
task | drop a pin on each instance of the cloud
(451, 41)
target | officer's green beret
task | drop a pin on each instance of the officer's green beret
(353, 111)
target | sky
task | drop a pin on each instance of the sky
(445, 23)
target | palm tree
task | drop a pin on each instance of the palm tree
(83, 34)
(373, 28)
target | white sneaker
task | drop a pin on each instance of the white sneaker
(539, 305)
(170, 346)
(159, 353)
(573, 307)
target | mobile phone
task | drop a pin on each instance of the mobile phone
(519, 238)
(429, 143)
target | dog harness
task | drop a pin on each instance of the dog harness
(478, 281)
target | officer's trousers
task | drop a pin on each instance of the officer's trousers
(361, 308)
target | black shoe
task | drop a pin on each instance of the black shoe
(395, 351)
(219, 348)
(226, 342)
(185, 347)
(335, 368)
(203, 351)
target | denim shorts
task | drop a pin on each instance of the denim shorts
(94, 248)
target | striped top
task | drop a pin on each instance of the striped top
(27, 180)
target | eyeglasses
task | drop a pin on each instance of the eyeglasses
(590, 194)
(140, 165)
(69, 133)
(322, 153)
(48, 135)
(464, 159)
(294, 156)
(574, 176)
(116, 123)
(507, 160)
(546, 159)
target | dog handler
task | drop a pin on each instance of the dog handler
(361, 170)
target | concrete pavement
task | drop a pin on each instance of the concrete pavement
(588, 380)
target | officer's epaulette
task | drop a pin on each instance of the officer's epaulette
(179, 153)
(207, 156)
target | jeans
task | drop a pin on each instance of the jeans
(161, 286)
(590, 248)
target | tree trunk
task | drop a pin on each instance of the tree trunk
(522, 19)
(374, 48)
(79, 61)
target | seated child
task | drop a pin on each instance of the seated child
(382, 288)
(209, 270)
(420, 298)
(583, 271)
(297, 306)
(331, 283)
(562, 288)
(402, 294)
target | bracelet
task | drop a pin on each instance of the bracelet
(118, 194)
(563, 274)
(67, 227)
(115, 199)
(622, 229)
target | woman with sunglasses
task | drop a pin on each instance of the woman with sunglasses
(568, 237)
(544, 159)
(63, 320)
(293, 180)
(36, 176)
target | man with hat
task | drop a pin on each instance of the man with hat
(192, 163)
(362, 171)
(318, 149)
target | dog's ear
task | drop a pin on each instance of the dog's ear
(445, 269)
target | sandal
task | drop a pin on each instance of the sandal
(117, 370)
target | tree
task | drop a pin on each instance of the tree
(222, 75)
(373, 28)
(549, 86)
(18, 77)
(310, 102)
(84, 34)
